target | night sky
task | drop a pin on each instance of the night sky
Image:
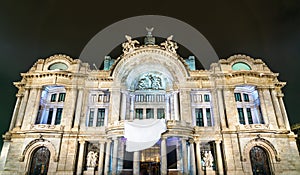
(30, 30)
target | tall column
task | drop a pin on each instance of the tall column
(192, 157)
(179, 155)
(220, 119)
(69, 107)
(114, 108)
(168, 107)
(107, 157)
(172, 113)
(263, 106)
(78, 108)
(15, 113)
(36, 105)
(121, 156)
(115, 156)
(82, 144)
(131, 107)
(176, 105)
(163, 163)
(22, 108)
(136, 163)
(123, 106)
(219, 157)
(101, 158)
(198, 157)
(279, 117)
(184, 156)
(231, 109)
(282, 107)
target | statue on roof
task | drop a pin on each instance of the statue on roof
(130, 45)
(170, 45)
(149, 39)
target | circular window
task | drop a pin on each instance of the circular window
(58, 66)
(240, 66)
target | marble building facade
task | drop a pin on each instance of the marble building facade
(69, 117)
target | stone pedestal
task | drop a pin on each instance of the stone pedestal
(89, 171)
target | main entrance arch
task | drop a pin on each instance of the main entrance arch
(259, 161)
(40, 161)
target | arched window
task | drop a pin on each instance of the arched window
(259, 161)
(40, 161)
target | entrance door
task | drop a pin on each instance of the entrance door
(259, 161)
(150, 168)
(40, 161)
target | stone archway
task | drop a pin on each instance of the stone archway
(265, 147)
(31, 148)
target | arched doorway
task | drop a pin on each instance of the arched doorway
(40, 161)
(259, 161)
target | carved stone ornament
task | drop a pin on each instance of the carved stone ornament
(169, 45)
(130, 45)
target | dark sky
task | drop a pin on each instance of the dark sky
(30, 30)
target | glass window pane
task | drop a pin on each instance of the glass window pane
(241, 115)
(100, 117)
(49, 119)
(206, 98)
(160, 113)
(58, 116)
(149, 113)
(249, 115)
(91, 117)
(139, 113)
(53, 98)
(208, 116)
(246, 97)
(61, 97)
(199, 117)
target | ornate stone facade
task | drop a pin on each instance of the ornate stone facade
(69, 118)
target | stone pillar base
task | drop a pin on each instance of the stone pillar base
(89, 171)
(210, 172)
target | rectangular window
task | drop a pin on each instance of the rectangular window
(106, 98)
(199, 117)
(206, 98)
(237, 97)
(149, 113)
(139, 113)
(61, 97)
(39, 116)
(241, 115)
(49, 119)
(249, 115)
(53, 98)
(208, 116)
(100, 97)
(91, 117)
(246, 97)
(58, 116)
(160, 113)
(100, 117)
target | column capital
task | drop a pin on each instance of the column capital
(82, 141)
(163, 137)
(191, 141)
(280, 94)
(217, 141)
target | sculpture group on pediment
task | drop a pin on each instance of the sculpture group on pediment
(130, 45)
(169, 45)
(150, 81)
